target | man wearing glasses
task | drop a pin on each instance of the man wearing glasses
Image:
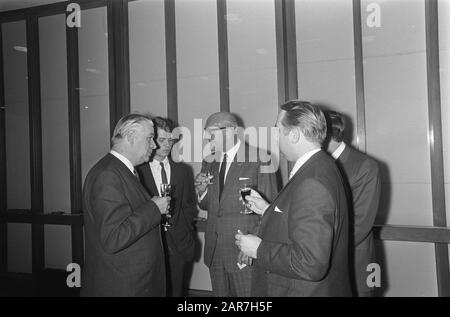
(230, 167)
(178, 237)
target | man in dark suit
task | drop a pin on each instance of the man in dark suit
(364, 180)
(233, 165)
(179, 237)
(302, 245)
(124, 252)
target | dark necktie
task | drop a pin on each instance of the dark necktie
(223, 167)
(163, 174)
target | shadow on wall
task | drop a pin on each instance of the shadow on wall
(382, 216)
(385, 199)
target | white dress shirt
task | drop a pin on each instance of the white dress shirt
(155, 167)
(231, 154)
(302, 160)
(338, 151)
(124, 160)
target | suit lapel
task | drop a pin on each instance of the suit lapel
(174, 172)
(230, 186)
(149, 180)
(128, 174)
(297, 174)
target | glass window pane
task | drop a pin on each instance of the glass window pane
(444, 67)
(197, 64)
(19, 248)
(397, 110)
(94, 89)
(444, 63)
(147, 57)
(408, 269)
(252, 61)
(325, 57)
(58, 248)
(54, 113)
(198, 86)
(16, 115)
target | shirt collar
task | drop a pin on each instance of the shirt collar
(231, 153)
(338, 151)
(302, 160)
(158, 163)
(124, 160)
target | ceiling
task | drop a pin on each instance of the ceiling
(6, 5)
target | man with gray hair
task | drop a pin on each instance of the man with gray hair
(124, 253)
(301, 248)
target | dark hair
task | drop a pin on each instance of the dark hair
(308, 117)
(336, 124)
(164, 123)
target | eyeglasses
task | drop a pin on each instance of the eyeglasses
(210, 131)
(215, 129)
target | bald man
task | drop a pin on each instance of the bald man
(232, 165)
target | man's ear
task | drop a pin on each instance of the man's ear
(295, 135)
(130, 137)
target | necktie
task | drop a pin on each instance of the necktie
(222, 175)
(163, 174)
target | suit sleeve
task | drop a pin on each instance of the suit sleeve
(311, 222)
(366, 198)
(118, 224)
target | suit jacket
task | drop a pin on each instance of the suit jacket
(304, 232)
(124, 253)
(179, 237)
(224, 217)
(363, 176)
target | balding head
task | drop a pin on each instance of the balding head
(222, 119)
(220, 129)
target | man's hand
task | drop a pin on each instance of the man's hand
(244, 259)
(248, 244)
(162, 203)
(201, 182)
(256, 203)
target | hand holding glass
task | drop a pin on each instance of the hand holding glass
(165, 192)
(245, 191)
(210, 176)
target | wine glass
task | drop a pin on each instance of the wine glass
(210, 176)
(245, 191)
(165, 192)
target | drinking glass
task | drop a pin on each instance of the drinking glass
(245, 191)
(165, 192)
